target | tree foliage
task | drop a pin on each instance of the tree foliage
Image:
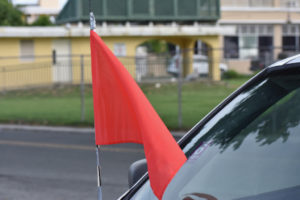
(10, 15)
(156, 46)
(42, 20)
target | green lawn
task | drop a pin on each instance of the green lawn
(61, 106)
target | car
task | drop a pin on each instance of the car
(200, 65)
(246, 148)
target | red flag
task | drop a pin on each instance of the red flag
(123, 114)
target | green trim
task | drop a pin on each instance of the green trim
(209, 7)
(198, 7)
(218, 11)
(79, 10)
(66, 15)
(68, 20)
(62, 12)
(129, 8)
(151, 7)
(104, 5)
(176, 8)
(133, 18)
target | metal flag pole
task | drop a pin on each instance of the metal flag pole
(99, 184)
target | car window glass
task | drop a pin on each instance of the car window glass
(248, 152)
(259, 124)
(243, 108)
(145, 193)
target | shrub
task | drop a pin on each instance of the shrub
(10, 15)
(231, 74)
(42, 20)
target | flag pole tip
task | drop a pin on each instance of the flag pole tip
(92, 21)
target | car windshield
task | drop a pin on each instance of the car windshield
(248, 150)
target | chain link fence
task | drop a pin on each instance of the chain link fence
(178, 67)
(52, 70)
(49, 70)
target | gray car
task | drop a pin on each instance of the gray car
(246, 148)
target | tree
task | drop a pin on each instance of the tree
(10, 15)
(42, 20)
(156, 46)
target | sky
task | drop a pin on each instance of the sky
(61, 2)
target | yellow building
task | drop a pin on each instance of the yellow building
(27, 52)
(37, 56)
(264, 30)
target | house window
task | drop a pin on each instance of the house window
(248, 46)
(290, 37)
(260, 3)
(289, 43)
(120, 49)
(265, 50)
(289, 3)
(247, 3)
(27, 50)
(231, 44)
(250, 42)
(290, 29)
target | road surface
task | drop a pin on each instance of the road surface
(45, 165)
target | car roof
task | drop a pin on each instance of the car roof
(279, 65)
(290, 60)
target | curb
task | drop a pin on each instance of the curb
(65, 129)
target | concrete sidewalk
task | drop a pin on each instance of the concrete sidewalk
(176, 134)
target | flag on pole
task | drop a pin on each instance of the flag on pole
(124, 115)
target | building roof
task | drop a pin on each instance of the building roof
(37, 10)
(125, 31)
(25, 2)
(141, 10)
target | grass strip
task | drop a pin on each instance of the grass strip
(61, 106)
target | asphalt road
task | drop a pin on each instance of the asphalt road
(59, 165)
